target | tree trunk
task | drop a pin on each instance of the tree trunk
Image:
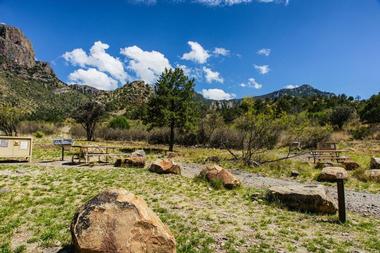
(171, 140)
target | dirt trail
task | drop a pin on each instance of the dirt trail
(360, 202)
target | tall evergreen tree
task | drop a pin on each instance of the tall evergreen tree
(173, 104)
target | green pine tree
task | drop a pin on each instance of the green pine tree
(172, 104)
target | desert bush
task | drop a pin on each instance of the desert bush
(119, 122)
(135, 134)
(225, 136)
(77, 131)
(38, 134)
(31, 127)
(360, 132)
(159, 135)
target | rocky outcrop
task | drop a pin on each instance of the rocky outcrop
(165, 166)
(215, 172)
(17, 56)
(375, 163)
(119, 221)
(15, 49)
(308, 198)
(330, 174)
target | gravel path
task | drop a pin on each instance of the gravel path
(360, 202)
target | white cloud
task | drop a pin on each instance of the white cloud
(212, 76)
(196, 73)
(221, 51)
(98, 58)
(197, 54)
(94, 78)
(146, 2)
(264, 51)
(147, 65)
(291, 86)
(285, 2)
(217, 94)
(252, 83)
(263, 69)
(222, 2)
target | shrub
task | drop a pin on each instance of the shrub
(135, 134)
(360, 133)
(77, 131)
(39, 134)
(340, 115)
(119, 122)
(225, 137)
(31, 127)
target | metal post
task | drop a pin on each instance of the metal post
(341, 200)
(63, 153)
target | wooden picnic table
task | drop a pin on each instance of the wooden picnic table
(87, 151)
(328, 154)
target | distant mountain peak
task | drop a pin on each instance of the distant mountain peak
(305, 90)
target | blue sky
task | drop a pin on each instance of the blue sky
(333, 45)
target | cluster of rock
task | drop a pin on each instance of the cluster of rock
(118, 221)
(136, 159)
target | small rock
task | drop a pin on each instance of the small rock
(165, 166)
(373, 175)
(330, 174)
(375, 163)
(294, 173)
(138, 153)
(4, 190)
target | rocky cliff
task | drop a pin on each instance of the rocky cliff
(15, 49)
(17, 56)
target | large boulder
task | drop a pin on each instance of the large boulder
(165, 166)
(306, 198)
(119, 221)
(215, 172)
(375, 163)
(330, 174)
(373, 175)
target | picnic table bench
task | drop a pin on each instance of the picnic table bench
(330, 155)
(327, 151)
(88, 151)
